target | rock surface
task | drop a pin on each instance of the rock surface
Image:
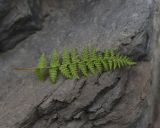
(18, 20)
(120, 99)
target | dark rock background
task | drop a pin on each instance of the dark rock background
(125, 98)
(18, 20)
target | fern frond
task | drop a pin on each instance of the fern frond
(41, 68)
(98, 64)
(71, 63)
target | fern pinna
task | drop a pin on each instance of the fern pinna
(54, 65)
(72, 64)
(40, 70)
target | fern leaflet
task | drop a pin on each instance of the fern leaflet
(41, 68)
(82, 66)
(65, 71)
(73, 66)
(53, 70)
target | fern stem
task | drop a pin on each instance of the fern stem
(30, 69)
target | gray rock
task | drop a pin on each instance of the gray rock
(5, 6)
(20, 19)
(118, 99)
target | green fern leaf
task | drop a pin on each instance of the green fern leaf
(53, 74)
(91, 67)
(54, 59)
(111, 53)
(74, 70)
(128, 61)
(88, 61)
(115, 64)
(110, 62)
(73, 66)
(131, 62)
(65, 71)
(93, 55)
(82, 66)
(85, 54)
(122, 60)
(107, 59)
(65, 57)
(41, 68)
(106, 54)
(54, 64)
(96, 60)
(104, 64)
(74, 56)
